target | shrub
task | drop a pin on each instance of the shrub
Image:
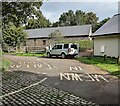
(5, 65)
(85, 45)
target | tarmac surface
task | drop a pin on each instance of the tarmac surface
(88, 84)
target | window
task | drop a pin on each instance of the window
(66, 46)
(34, 42)
(102, 48)
(44, 42)
(59, 47)
(54, 47)
(74, 46)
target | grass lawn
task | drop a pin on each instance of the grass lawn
(110, 64)
(5, 64)
(31, 54)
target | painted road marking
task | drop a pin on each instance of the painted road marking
(12, 66)
(34, 66)
(81, 77)
(70, 76)
(11, 93)
(28, 66)
(80, 68)
(39, 65)
(74, 68)
(48, 65)
(18, 66)
(44, 73)
(91, 78)
(96, 77)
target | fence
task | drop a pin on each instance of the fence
(27, 49)
(35, 49)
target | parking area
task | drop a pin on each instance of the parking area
(24, 88)
(58, 75)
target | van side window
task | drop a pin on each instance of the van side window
(54, 47)
(59, 47)
(66, 46)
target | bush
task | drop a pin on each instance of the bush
(85, 45)
(5, 65)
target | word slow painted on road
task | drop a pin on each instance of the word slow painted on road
(30, 65)
(77, 76)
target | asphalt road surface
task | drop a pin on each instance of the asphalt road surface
(86, 81)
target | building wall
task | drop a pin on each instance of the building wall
(106, 46)
(119, 45)
(46, 42)
(37, 42)
(41, 42)
(30, 42)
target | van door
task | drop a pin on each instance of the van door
(59, 49)
(53, 51)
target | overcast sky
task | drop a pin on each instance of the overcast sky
(52, 10)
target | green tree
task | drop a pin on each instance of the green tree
(78, 17)
(67, 18)
(13, 36)
(91, 18)
(18, 12)
(21, 13)
(56, 36)
(37, 21)
(55, 24)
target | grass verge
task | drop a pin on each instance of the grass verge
(31, 54)
(5, 65)
(110, 64)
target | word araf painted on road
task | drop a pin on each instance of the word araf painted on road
(81, 76)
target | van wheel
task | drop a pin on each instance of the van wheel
(63, 55)
(48, 55)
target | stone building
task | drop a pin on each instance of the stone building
(40, 37)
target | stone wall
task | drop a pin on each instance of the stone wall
(46, 42)
(37, 42)
(36, 45)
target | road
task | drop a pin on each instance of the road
(86, 81)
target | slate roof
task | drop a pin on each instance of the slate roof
(66, 31)
(110, 27)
